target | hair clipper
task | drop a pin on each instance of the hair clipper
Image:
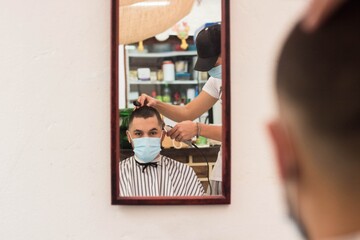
(187, 142)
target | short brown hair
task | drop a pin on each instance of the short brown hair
(146, 112)
(319, 73)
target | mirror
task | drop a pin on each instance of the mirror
(161, 65)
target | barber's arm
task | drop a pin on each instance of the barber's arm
(187, 129)
(202, 103)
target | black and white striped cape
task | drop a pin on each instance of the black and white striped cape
(169, 178)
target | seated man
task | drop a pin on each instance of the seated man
(148, 173)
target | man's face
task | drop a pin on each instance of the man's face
(144, 127)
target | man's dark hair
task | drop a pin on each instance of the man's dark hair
(145, 112)
(319, 73)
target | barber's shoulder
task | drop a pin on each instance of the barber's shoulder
(212, 80)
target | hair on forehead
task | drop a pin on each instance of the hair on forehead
(319, 73)
(146, 112)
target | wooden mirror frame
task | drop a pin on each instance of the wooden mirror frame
(226, 121)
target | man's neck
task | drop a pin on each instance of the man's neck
(329, 216)
(352, 236)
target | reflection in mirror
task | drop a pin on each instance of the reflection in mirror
(169, 79)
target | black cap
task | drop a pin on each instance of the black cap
(208, 44)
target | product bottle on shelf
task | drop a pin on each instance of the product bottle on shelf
(190, 94)
(176, 98)
(153, 93)
(196, 91)
(182, 102)
(183, 96)
(167, 94)
(168, 71)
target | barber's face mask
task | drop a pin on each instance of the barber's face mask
(146, 148)
(215, 72)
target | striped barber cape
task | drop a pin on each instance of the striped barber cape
(168, 178)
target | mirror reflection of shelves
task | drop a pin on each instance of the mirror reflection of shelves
(162, 70)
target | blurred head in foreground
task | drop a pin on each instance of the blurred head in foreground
(317, 134)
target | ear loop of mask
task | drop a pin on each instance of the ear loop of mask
(127, 131)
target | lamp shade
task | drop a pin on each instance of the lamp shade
(148, 18)
(128, 2)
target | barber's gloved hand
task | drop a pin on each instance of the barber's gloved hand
(147, 101)
(183, 131)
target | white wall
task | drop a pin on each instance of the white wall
(55, 129)
(207, 11)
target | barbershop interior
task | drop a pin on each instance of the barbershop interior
(162, 66)
(73, 73)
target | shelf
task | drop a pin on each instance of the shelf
(176, 82)
(162, 54)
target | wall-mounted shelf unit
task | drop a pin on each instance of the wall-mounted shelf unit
(186, 83)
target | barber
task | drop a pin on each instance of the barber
(208, 44)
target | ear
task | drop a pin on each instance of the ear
(285, 156)
(218, 62)
(163, 133)
(128, 136)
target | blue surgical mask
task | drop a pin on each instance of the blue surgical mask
(215, 72)
(146, 149)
